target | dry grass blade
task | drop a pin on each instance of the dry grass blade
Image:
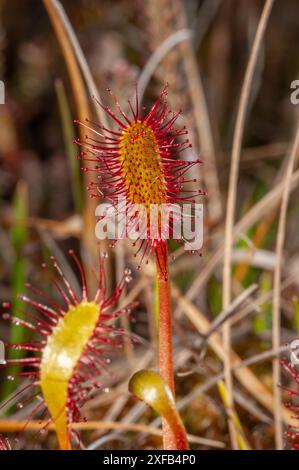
(276, 292)
(57, 7)
(203, 125)
(83, 111)
(232, 196)
(77, 83)
(258, 211)
(14, 426)
(157, 56)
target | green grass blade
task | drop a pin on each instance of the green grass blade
(18, 239)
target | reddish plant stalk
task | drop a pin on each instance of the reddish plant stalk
(165, 336)
(165, 327)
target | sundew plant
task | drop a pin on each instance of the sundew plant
(148, 227)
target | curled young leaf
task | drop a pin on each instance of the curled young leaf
(149, 387)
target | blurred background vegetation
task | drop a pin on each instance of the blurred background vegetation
(43, 197)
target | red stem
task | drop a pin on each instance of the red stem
(171, 440)
(165, 328)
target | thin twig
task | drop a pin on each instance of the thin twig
(212, 382)
(227, 314)
(224, 316)
(244, 375)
